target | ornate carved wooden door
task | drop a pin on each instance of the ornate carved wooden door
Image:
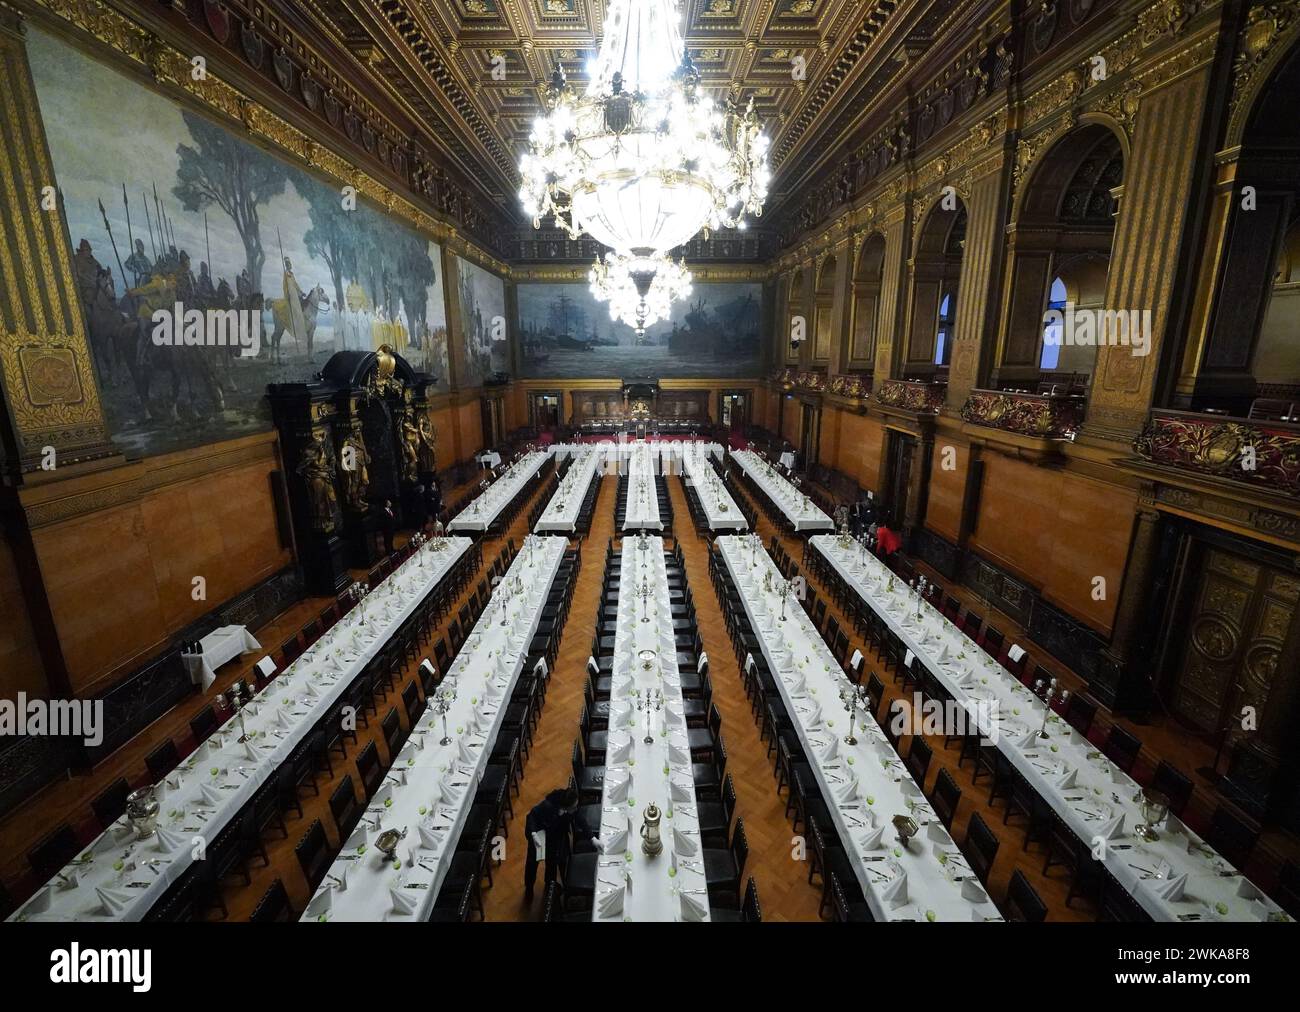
(1239, 614)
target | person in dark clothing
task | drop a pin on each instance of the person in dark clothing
(432, 501)
(388, 521)
(551, 818)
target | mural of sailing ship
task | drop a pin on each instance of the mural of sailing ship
(181, 210)
(565, 332)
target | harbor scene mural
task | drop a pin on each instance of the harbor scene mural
(180, 211)
(565, 333)
(483, 322)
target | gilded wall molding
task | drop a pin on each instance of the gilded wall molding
(1270, 31)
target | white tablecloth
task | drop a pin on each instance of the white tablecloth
(196, 803)
(479, 514)
(787, 459)
(430, 788)
(219, 646)
(642, 497)
(489, 459)
(640, 775)
(719, 507)
(665, 454)
(930, 880)
(798, 509)
(1081, 785)
(561, 513)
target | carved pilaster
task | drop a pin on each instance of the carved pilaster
(51, 396)
(1118, 684)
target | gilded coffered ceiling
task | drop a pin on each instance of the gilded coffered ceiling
(475, 71)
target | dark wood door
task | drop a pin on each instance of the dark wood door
(1238, 613)
(902, 449)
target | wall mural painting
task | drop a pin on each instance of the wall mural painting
(566, 333)
(176, 209)
(483, 322)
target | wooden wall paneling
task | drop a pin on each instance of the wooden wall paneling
(947, 487)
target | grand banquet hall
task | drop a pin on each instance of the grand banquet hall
(650, 461)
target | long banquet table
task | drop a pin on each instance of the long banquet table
(864, 785)
(719, 507)
(1177, 877)
(798, 509)
(117, 878)
(615, 455)
(562, 512)
(479, 515)
(430, 788)
(631, 885)
(642, 512)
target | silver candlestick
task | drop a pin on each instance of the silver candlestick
(441, 705)
(1047, 692)
(850, 696)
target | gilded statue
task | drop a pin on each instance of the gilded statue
(317, 470)
(427, 453)
(354, 470)
(410, 449)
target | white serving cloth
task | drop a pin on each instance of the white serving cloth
(219, 646)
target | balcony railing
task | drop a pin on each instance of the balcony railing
(1042, 416)
(912, 395)
(1261, 453)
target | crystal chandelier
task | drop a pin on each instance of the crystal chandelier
(640, 290)
(643, 160)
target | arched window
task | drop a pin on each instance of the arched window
(943, 333)
(1052, 329)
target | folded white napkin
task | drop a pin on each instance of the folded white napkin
(814, 718)
(848, 791)
(211, 795)
(895, 894)
(832, 750)
(682, 844)
(1068, 781)
(250, 753)
(463, 753)
(680, 792)
(908, 658)
(611, 903)
(165, 841)
(1247, 890)
(1114, 829)
(66, 880)
(678, 756)
(618, 843)
(675, 717)
(430, 838)
(856, 659)
(111, 902)
(1029, 740)
(620, 753)
(1171, 890)
(936, 834)
(692, 908)
(973, 892)
(1016, 652)
(403, 903)
(941, 653)
(358, 839)
(618, 789)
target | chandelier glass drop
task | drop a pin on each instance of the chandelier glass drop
(643, 160)
(640, 290)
